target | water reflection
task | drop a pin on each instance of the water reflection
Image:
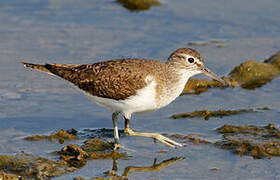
(155, 167)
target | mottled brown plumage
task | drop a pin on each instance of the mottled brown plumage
(115, 79)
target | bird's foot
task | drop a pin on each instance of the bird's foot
(166, 140)
(155, 136)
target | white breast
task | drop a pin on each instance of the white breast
(142, 101)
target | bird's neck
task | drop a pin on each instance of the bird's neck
(173, 86)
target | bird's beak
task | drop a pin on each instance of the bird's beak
(209, 73)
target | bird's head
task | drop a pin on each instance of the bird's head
(190, 62)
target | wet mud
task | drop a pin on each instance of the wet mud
(206, 114)
(255, 141)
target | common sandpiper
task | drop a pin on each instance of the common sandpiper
(128, 86)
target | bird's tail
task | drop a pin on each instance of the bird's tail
(37, 67)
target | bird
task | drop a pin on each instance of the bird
(133, 85)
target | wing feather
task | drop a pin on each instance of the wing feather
(116, 79)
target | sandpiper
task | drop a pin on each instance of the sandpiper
(128, 86)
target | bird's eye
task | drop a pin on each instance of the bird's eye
(191, 60)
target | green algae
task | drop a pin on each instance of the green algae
(138, 5)
(258, 142)
(60, 136)
(206, 114)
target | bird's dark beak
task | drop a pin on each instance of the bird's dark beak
(209, 73)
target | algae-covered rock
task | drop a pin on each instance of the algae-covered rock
(9, 176)
(255, 141)
(32, 167)
(253, 74)
(99, 149)
(74, 155)
(274, 60)
(206, 114)
(197, 86)
(77, 156)
(60, 136)
(97, 145)
(138, 5)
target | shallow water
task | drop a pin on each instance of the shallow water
(77, 31)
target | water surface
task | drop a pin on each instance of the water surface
(85, 31)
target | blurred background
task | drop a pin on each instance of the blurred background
(226, 33)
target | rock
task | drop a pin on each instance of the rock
(253, 74)
(74, 155)
(138, 5)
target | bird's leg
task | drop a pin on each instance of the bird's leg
(116, 132)
(157, 136)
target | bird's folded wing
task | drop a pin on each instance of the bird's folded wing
(112, 79)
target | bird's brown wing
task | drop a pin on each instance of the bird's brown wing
(116, 79)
